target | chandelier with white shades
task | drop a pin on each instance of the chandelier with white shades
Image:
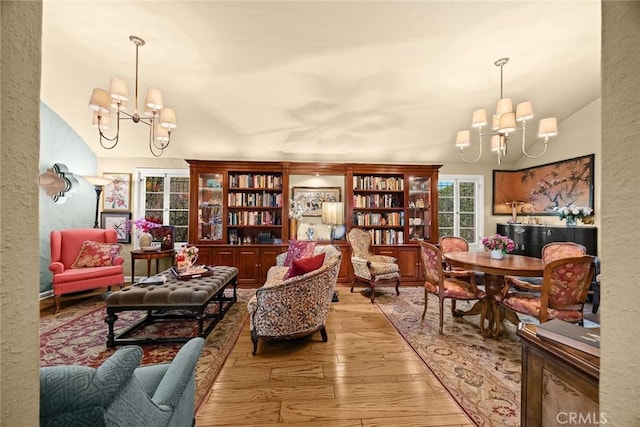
(504, 124)
(160, 119)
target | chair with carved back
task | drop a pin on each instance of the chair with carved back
(444, 284)
(368, 267)
(550, 252)
(561, 295)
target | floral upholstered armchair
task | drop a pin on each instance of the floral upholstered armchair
(84, 259)
(291, 307)
(370, 268)
(561, 296)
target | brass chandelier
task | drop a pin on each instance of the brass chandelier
(160, 119)
(504, 124)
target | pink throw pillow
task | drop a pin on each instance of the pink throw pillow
(95, 254)
(305, 265)
(298, 249)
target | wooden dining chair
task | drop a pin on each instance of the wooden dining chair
(444, 284)
(550, 252)
(562, 295)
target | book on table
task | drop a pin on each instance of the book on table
(576, 336)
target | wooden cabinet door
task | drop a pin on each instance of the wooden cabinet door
(224, 256)
(248, 263)
(409, 263)
(267, 260)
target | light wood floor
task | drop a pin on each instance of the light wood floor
(365, 375)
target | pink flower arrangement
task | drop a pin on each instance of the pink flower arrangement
(144, 225)
(498, 242)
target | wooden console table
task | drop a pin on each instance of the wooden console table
(148, 255)
(558, 382)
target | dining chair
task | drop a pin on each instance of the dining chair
(453, 244)
(445, 284)
(368, 267)
(550, 252)
(562, 295)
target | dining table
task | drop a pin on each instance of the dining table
(494, 271)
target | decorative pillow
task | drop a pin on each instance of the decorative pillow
(305, 265)
(299, 249)
(96, 254)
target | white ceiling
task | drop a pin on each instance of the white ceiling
(382, 81)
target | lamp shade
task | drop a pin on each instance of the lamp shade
(332, 213)
(100, 101)
(504, 106)
(98, 181)
(548, 127)
(168, 118)
(105, 120)
(495, 143)
(162, 135)
(524, 111)
(507, 123)
(119, 90)
(154, 99)
(462, 139)
(479, 118)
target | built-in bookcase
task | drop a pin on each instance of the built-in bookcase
(379, 207)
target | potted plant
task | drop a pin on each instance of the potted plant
(573, 213)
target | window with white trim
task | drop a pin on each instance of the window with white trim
(163, 197)
(460, 205)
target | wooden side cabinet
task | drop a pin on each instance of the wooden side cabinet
(559, 383)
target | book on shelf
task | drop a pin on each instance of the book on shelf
(576, 336)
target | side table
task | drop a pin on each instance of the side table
(148, 255)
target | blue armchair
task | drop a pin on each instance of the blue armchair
(120, 393)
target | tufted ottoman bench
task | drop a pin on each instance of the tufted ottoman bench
(174, 299)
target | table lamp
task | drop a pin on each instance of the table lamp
(332, 214)
(98, 183)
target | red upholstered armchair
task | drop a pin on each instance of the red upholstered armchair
(100, 265)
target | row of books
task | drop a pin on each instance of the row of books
(263, 199)
(390, 218)
(361, 182)
(387, 237)
(249, 180)
(376, 201)
(253, 218)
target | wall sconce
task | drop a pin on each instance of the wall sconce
(58, 183)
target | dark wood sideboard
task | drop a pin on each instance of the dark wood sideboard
(530, 238)
(560, 384)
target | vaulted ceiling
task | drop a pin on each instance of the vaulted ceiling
(383, 81)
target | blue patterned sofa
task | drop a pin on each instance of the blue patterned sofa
(120, 393)
(297, 306)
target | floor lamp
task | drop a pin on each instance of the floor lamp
(333, 214)
(98, 184)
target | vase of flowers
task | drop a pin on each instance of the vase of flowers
(498, 245)
(296, 212)
(143, 227)
(573, 213)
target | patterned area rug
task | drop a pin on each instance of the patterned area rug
(482, 375)
(77, 336)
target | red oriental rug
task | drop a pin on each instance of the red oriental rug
(78, 335)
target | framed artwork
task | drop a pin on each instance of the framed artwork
(312, 198)
(119, 221)
(116, 195)
(164, 235)
(537, 190)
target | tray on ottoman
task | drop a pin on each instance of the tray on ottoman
(193, 272)
(173, 300)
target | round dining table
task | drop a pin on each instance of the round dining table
(494, 271)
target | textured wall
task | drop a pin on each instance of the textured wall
(61, 144)
(620, 365)
(20, 34)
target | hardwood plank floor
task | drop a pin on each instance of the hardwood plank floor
(365, 375)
